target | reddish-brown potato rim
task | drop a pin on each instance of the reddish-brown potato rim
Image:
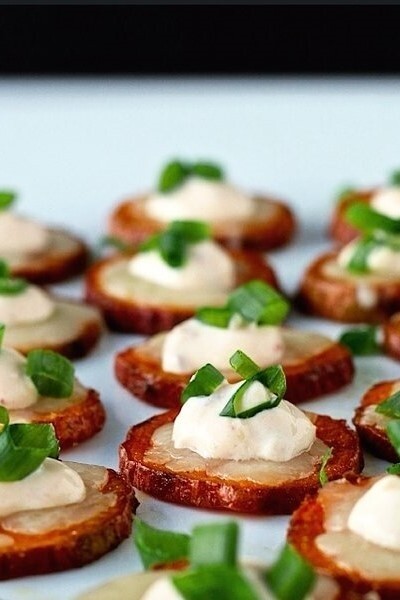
(128, 316)
(196, 489)
(319, 374)
(55, 267)
(391, 333)
(339, 229)
(373, 438)
(306, 524)
(76, 545)
(129, 222)
(336, 299)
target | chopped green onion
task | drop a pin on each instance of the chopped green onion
(214, 582)
(243, 365)
(216, 316)
(158, 546)
(12, 286)
(367, 219)
(207, 170)
(259, 303)
(191, 231)
(204, 383)
(173, 248)
(390, 407)
(393, 433)
(172, 176)
(358, 262)
(274, 379)
(7, 197)
(394, 469)
(4, 270)
(395, 178)
(236, 407)
(23, 447)
(323, 477)
(291, 577)
(51, 373)
(214, 543)
(361, 341)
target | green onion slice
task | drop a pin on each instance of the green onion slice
(204, 383)
(323, 477)
(207, 170)
(220, 582)
(358, 263)
(393, 433)
(214, 543)
(7, 197)
(12, 286)
(259, 303)
(172, 176)
(395, 178)
(390, 407)
(394, 469)
(361, 341)
(51, 373)
(23, 447)
(158, 546)
(367, 219)
(243, 365)
(291, 577)
(214, 316)
(4, 270)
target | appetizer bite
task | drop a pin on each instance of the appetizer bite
(55, 515)
(158, 369)
(208, 568)
(41, 388)
(35, 252)
(35, 319)
(239, 446)
(351, 531)
(171, 275)
(382, 203)
(198, 191)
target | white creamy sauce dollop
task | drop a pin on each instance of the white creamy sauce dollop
(200, 199)
(387, 202)
(16, 388)
(193, 343)
(207, 266)
(381, 260)
(19, 235)
(31, 305)
(376, 515)
(52, 484)
(277, 434)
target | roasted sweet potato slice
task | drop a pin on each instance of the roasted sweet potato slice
(391, 333)
(186, 478)
(149, 308)
(75, 419)
(359, 570)
(313, 365)
(329, 291)
(66, 257)
(371, 426)
(272, 226)
(57, 539)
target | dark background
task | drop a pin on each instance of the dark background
(199, 40)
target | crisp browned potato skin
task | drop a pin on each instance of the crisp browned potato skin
(374, 439)
(320, 374)
(339, 229)
(54, 267)
(131, 317)
(306, 524)
(336, 299)
(75, 546)
(129, 222)
(197, 489)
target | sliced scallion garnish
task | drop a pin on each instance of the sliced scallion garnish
(367, 219)
(394, 469)
(358, 262)
(323, 477)
(393, 433)
(214, 543)
(395, 178)
(204, 383)
(390, 407)
(23, 447)
(7, 197)
(361, 341)
(51, 373)
(290, 577)
(207, 170)
(216, 316)
(216, 582)
(10, 286)
(158, 546)
(176, 172)
(243, 365)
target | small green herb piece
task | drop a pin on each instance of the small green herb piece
(207, 171)
(395, 178)
(290, 577)
(214, 582)
(10, 286)
(51, 373)
(157, 546)
(23, 447)
(214, 543)
(7, 198)
(4, 270)
(176, 172)
(204, 383)
(323, 477)
(215, 316)
(393, 433)
(367, 219)
(390, 407)
(243, 365)
(361, 341)
(394, 469)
